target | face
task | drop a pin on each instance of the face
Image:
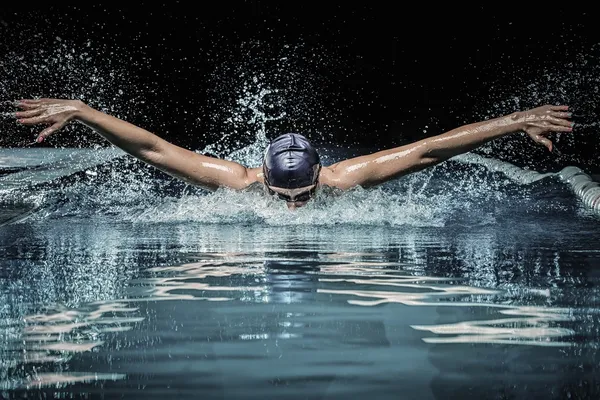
(294, 198)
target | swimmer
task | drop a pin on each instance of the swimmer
(292, 170)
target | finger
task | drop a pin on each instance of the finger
(543, 141)
(49, 131)
(560, 128)
(30, 113)
(548, 125)
(561, 114)
(560, 121)
(27, 106)
(34, 120)
(30, 100)
(559, 108)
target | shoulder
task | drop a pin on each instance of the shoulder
(329, 176)
(254, 175)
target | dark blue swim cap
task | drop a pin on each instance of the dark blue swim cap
(291, 162)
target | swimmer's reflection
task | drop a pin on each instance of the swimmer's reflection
(271, 278)
(291, 281)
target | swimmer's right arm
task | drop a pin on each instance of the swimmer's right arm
(194, 168)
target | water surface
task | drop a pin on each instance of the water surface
(458, 281)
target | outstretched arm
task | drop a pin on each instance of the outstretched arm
(373, 169)
(184, 164)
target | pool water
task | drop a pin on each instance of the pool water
(460, 281)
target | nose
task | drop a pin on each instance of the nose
(292, 205)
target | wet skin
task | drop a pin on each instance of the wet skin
(364, 171)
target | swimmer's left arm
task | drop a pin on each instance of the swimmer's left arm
(377, 168)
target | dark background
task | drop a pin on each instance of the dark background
(371, 74)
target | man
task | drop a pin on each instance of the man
(292, 169)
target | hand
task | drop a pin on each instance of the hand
(540, 121)
(54, 112)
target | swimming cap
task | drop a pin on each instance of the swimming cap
(290, 162)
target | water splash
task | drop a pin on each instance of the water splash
(266, 90)
(253, 100)
(61, 68)
(575, 83)
(468, 190)
(259, 93)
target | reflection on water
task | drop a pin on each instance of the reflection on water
(64, 378)
(531, 328)
(137, 304)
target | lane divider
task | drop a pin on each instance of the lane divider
(584, 187)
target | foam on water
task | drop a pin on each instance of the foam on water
(470, 190)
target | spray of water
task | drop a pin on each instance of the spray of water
(267, 91)
(575, 83)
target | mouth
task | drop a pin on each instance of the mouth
(292, 205)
